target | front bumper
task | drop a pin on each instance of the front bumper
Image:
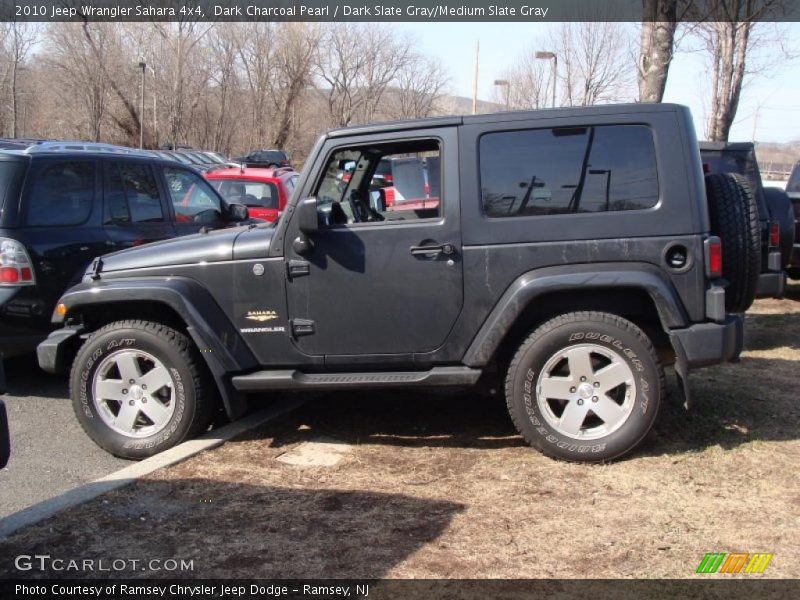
(54, 352)
(707, 344)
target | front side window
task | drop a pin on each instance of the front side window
(568, 170)
(62, 194)
(192, 198)
(258, 194)
(794, 180)
(377, 184)
(131, 194)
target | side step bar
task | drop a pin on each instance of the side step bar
(295, 380)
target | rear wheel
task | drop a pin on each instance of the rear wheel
(585, 386)
(733, 212)
(139, 388)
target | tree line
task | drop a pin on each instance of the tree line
(233, 87)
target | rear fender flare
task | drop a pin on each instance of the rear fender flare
(533, 284)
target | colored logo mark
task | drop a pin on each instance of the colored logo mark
(735, 562)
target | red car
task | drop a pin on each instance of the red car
(264, 191)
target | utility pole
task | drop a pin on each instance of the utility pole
(475, 78)
(143, 67)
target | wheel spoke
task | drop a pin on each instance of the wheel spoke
(127, 417)
(156, 378)
(580, 363)
(608, 410)
(556, 387)
(573, 417)
(155, 411)
(128, 366)
(110, 389)
(612, 376)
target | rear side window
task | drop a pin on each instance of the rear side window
(568, 170)
(62, 194)
(10, 173)
(131, 194)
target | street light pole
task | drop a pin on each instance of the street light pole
(507, 84)
(155, 109)
(548, 56)
(143, 67)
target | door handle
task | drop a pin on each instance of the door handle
(433, 250)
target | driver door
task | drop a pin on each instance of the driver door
(378, 283)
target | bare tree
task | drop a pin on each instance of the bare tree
(656, 47)
(182, 59)
(78, 72)
(18, 40)
(256, 47)
(529, 83)
(296, 48)
(594, 62)
(357, 62)
(420, 83)
(729, 33)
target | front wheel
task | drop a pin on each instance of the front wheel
(585, 386)
(139, 388)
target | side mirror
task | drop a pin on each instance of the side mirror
(307, 219)
(237, 212)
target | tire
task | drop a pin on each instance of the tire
(782, 212)
(126, 419)
(544, 360)
(733, 212)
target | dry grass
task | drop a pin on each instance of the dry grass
(440, 486)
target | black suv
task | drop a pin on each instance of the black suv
(569, 253)
(793, 191)
(65, 203)
(267, 159)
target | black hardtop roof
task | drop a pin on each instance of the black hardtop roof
(733, 146)
(497, 117)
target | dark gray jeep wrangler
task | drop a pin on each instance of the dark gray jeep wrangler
(569, 253)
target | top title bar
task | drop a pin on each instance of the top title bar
(394, 10)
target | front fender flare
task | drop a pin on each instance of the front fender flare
(539, 282)
(218, 341)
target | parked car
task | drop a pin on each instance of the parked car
(573, 253)
(66, 203)
(264, 192)
(777, 230)
(793, 191)
(264, 159)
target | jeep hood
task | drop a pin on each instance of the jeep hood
(215, 246)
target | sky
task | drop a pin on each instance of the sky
(774, 99)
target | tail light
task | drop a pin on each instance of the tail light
(15, 264)
(388, 178)
(714, 257)
(774, 234)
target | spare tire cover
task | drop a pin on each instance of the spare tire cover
(733, 211)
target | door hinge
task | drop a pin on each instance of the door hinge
(298, 268)
(302, 327)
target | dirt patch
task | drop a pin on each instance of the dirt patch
(441, 486)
